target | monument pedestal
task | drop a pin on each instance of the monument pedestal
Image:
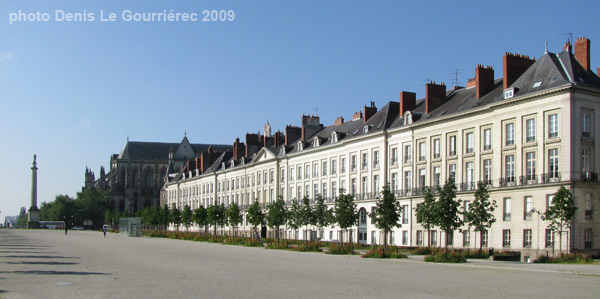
(33, 218)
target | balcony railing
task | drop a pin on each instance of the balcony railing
(528, 179)
(589, 176)
(467, 186)
(527, 215)
(551, 177)
(508, 181)
(506, 216)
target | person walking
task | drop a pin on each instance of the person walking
(65, 229)
(104, 230)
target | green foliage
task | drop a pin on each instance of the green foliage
(444, 256)
(426, 214)
(477, 254)
(215, 215)
(570, 258)
(380, 252)
(560, 212)
(234, 214)
(255, 215)
(338, 249)
(308, 247)
(165, 216)
(387, 213)
(22, 220)
(294, 215)
(200, 217)
(323, 217)
(253, 243)
(446, 209)
(175, 217)
(276, 215)
(422, 250)
(91, 205)
(481, 211)
(278, 245)
(149, 215)
(186, 216)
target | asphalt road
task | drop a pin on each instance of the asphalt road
(48, 264)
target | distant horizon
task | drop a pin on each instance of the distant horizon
(76, 91)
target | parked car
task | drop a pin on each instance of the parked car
(77, 228)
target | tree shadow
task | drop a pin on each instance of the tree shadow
(41, 257)
(18, 251)
(41, 263)
(42, 272)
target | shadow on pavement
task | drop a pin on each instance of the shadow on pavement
(42, 272)
(41, 263)
(41, 257)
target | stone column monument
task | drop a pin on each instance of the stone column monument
(33, 218)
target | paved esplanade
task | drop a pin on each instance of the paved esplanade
(48, 264)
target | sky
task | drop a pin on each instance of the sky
(73, 92)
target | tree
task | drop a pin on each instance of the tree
(426, 213)
(200, 217)
(276, 216)
(306, 216)
(186, 217)
(221, 218)
(294, 221)
(446, 210)
(46, 211)
(345, 212)
(480, 214)
(323, 216)
(176, 217)
(255, 216)
(22, 220)
(560, 213)
(165, 216)
(387, 213)
(234, 215)
(91, 205)
(212, 216)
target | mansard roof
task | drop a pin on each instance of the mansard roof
(138, 150)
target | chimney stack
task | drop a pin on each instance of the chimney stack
(357, 115)
(598, 70)
(369, 111)
(568, 47)
(514, 66)
(408, 101)
(292, 133)
(582, 52)
(435, 94)
(253, 144)
(484, 78)
(339, 121)
(238, 149)
(310, 126)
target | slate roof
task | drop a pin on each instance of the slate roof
(137, 150)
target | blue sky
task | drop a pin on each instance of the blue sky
(72, 92)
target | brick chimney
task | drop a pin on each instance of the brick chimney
(279, 138)
(435, 94)
(484, 80)
(253, 144)
(238, 149)
(310, 126)
(339, 121)
(357, 115)
(408, 100)
(471, 82)
(598, 71)
(582, 52)
(369, 111)
(568, 47)
(514, 66)
(292, 133)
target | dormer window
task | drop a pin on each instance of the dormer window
(282, 151)
(334, 137)
(509, 93)
(300, 146)
(365, 129)
(407, 118)
(223, 165)
(316, 142)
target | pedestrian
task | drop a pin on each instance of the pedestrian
(65, 230)
(104, 230)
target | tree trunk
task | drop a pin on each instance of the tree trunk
(480, 241)
(428, 237)
(384, 240)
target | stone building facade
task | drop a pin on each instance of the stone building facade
(524, 134)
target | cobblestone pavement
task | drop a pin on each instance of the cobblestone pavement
(84, 264)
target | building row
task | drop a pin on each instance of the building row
(524, 133)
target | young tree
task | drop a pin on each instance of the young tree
(276, 216)
(323, 216)
(200, 218)
(176, 217)
(221, 217)
(294, 214)
(480, 214)
(255, 216)
(212, 217)
(306, 216)
(22, 220)
(560, 213)
(186, 217)
(234, 215)
(387, 213)
(165, 216)
(447, 213)
(426, 213)
(345, 211)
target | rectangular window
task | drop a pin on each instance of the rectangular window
(528, 211)
(376, 159)
(407, 154)
(307, 172)
(324, 190)
(422, 151)
(404, 237)
(530, 166)
(422, 178)
(487, 139)
(549, 199)
(324, 168)
(375, 185)
(373, 237)
(436, 177)
(553, 163)
(343, 165)
(585, 164)
(506, 238)
(334, 190)
(394, 182)
(466, 238)
(364, 188)
(510, 134)
(549, 238)
(408, 182)
(530, 124)
(353, 187)
(470, 142)
(507, 209)
(333, 167)
(405, 214)
(353, 163)
(552, 125)
(365, 161)
(436, 148)
(487, 172)
(484, 238)
(469, 176)
(588, 206)
(394, 156)
(372, 215)
(419, 237)
(527, 238)
(299, 172)
(509, 168)
(449, 238)
(292, 174)
(307, 191)
(452, 146)
(587, 238)
(315, 170)
(467, 205)
(586, 125)
(434, 238)
(452, 171)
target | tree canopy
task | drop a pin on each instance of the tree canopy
(386, 215)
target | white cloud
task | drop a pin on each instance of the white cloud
(7, 57)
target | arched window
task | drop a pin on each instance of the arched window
(362, 216)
